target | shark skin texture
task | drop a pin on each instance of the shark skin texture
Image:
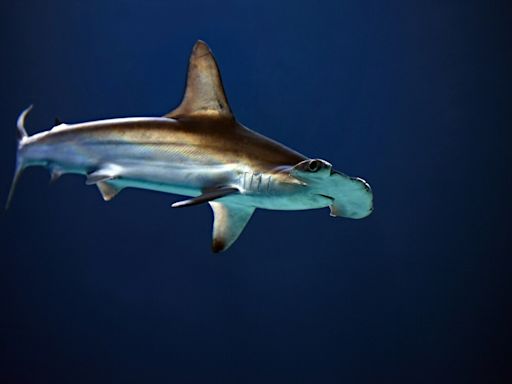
(198, 150)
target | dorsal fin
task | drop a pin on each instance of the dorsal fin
(204, 94)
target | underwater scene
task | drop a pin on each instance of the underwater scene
(255, 192)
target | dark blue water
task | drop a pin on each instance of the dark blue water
(412, 96)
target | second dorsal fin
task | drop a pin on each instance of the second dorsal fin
(204, 94)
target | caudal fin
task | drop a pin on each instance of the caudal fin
(21, 135)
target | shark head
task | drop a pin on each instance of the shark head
(351, 196)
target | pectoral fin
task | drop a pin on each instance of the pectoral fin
(229, 220)
(206, 197)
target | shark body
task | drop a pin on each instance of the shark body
(198, 150)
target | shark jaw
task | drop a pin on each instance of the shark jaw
(199, 150)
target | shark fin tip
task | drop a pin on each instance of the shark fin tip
(218, 246)
(108, 190)
(201, 48)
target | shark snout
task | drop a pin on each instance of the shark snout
(352, 196)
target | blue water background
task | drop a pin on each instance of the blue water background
(412, 96)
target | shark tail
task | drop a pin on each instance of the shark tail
(21, 135)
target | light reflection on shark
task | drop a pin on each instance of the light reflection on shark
(198, 150)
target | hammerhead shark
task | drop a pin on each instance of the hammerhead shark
(199, 150)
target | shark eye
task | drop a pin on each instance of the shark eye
(314, 165)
